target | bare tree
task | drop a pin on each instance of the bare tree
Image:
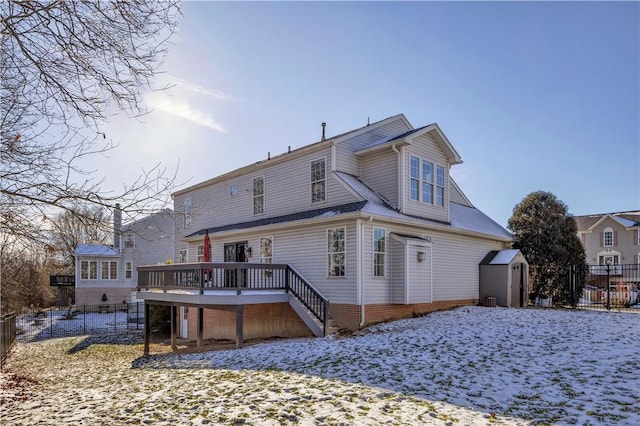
(64, 64)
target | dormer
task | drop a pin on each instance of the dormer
(411, 170)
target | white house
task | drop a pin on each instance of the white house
(106, 274)
(371, 219)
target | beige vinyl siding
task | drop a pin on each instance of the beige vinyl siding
(380, 172)
(427, 149)
(420, 281)
(456, 196)
(287, 189)
(349, 163)
(456, 260)
(624, 243)
(393, 290)
(303, 248)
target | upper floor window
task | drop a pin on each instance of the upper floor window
(187, 212)
(336, 252)
(638, 236)
(318, 180)
(414, 181)
(427, 182)
(258, 195)
(608, 237)
(440, 186)
(233, 190)
(128, 240)
(200, 253)
(89, 269)
(378, 252)
(109, 270)
(128, 269)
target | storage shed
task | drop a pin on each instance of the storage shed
(504, 276)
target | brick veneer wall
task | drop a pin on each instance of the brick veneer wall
(348, 316)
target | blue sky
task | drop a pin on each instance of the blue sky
(534, 96)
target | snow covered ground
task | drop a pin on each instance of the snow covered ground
(471, 365)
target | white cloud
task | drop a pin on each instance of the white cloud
(200, 90)
(183, 110)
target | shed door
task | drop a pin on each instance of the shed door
(518, 285)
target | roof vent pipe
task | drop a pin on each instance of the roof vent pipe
(289, 151)
(323, 127)
(269, 155)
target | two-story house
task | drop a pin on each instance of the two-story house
(371, 219)
(612, 238)
(106, 274)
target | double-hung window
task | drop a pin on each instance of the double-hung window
(378, 252)
(608, 237)
(128, 270)
(89, 269)
(440, 186)
(414, 182)
(336, 252)
(187, 212)
(109, 270)
(318, 180)
(200, 253)
(258, 195)
(427, 182)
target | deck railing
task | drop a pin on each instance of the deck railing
(239, 276)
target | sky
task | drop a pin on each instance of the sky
(533, 95)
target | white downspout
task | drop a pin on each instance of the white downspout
(400, 179)
(359, 268)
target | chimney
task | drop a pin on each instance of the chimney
(323, 127)
(117, 225)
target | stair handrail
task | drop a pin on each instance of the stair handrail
(309, 296)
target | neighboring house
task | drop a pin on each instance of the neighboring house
(612, 238)
(370, 218)
(107, 274)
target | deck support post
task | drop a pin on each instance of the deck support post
(174, 317)
(200, 326)
(239, 326)
(146, 328)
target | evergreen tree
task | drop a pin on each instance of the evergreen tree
(546, 234)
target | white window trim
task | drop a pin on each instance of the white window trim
(201, 253)
(374, 252)
(126, 237)
(438, 186)
(109, 270)
(254, 196)
(88, 263)
(268, 273)
(326, 233)
(233, 189)
(604, 237)
(434, 183)
(128, 268)
(311, 181)
(188, 218)
(414, 179)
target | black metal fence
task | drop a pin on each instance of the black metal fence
(39, 324)
(605, 287)
(7, 333)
